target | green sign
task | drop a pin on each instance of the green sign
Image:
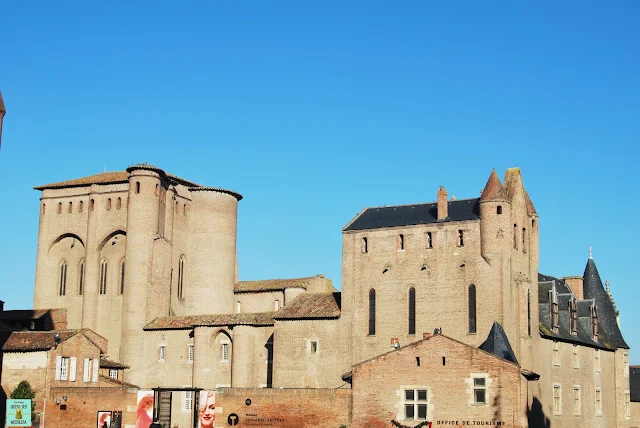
(18, 413)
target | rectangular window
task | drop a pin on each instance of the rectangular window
(577, 400)
(365, 245)
(576, 357)
(162, 351)
(64, 368)
(627, 404)
(225, 352)
(460, 238)
(557, 399)
(625, 362)
(190, 353)
(276, 305)
(479, 390)
(428, 240)
(598, 396)
(597, 360)
(556, 354)
(188, 401)
(113, 373)
(313, 346)
(401, 242)
(415, 404)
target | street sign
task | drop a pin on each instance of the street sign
(18, 413)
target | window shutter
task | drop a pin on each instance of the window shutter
(96, 367)
(72, 369)
(58, 366)
(86, 376)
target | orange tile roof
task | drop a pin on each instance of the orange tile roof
(262, 319)
(102, 178)
(311, 306)
(271, 285)
(493, 190)
(27, 341)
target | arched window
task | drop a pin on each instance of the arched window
(92, 204)
(80, 206)
(472, 308)
(122, 277)
(70, 207)
(137, 187)
(412, 310)
(81, 278)
(109, 204)
(157, 189)
(119, 203)
(63, 278)
(103, 276)
(59, 207)
(372, 312)
(181, 276)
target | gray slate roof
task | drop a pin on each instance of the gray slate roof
(498, 344)
(634, 383)
(410, 215)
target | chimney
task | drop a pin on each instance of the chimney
(426, 335)
(443, 207)
(575, 283)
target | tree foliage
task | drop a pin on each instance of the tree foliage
(23, 391)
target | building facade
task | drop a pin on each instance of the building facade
(148, 260)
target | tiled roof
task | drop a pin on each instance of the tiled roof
(117, 382)
(493, 191)
(311, 306)
(29, 341)
(263, 319)
(271, 284)
(410, 215)
(634, 383)
(108, 364)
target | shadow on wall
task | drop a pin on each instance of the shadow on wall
(536, 417)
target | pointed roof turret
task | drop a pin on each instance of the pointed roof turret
(493, 191)
(498, 344)
(608, 330)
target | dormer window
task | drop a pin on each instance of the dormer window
(594, 322)
(573, 310)
(555, 322)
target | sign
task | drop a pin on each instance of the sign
(233, 419)
(18, 413)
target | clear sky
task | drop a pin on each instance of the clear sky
(316, 110)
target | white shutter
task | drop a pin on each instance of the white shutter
(58, 366)
(86, 375)
(72, 370)
(96, 367)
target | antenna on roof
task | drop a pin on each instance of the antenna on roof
(590, 253)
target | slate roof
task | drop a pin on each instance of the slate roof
(311, 306)
(263, 319)
(607, 323)
(108, 364)
(584, 334)
(271, 285)
(30, 341)
(410, 215)
(634, 383)
(498, 344)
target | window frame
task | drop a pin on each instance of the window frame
(64, 368)
(577, 409)
(111, 374)
(372, 312)
(472, 309)
(557, 400)
(576, 357)
(224, 352)
(597, 396)
(162, 353)
(103, 277)
(627, 404)
(311, 349)
(62, 285)
(190, 353)
(476, 387)
(412, 311)
(597, 361)
(555, 354)
(415, 403)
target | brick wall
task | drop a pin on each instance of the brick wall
(284, 408)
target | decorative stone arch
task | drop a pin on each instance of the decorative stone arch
(66, 235)
(117, 231)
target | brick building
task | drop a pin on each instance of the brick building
(148, 260)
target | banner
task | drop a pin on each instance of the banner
(206, 409)
(18, 413)
(144, 413)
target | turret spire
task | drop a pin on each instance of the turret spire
(590, 253)
(493, 191)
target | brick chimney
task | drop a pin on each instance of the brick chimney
(575, 283)
(443, 207)
(426, 335)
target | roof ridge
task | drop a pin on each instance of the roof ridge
(421, 203)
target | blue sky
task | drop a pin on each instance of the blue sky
(314, 111)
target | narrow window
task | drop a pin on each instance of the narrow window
(625, 363)
(418, 361)
(428, 240)
(44, 208)
(627, 404)
(184, 209)
(122, 277)
(188, 401)
(365, 245)
(157, 189)
(225, 352)
(238, 307)
(401, 242)
(515, 236)
(63, 278)
(533, 224)
(594, 322)
(576, 357)
(64, 368)
(103, 276)
(113, 373)
(573, 311)
(499, 209)
(162, 351)
(480, 390)
(524, 240)
(557, 399)
(70, 207)
(59, 207)
(92, 204)
(472, 308)
(276, 305)
(176, 207)
(412, 310)
(444, 360)
(81, 278)
(598, 396)
(119, 203)
(460, 238)
(372, 312)
(313, 347)
(190, 353)
(109, 204)
(137, 187)
(597, 360)
(577, 400)
(181, 277)
(556, 354)
(81, 207)
(554, 312)
(529, 312)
